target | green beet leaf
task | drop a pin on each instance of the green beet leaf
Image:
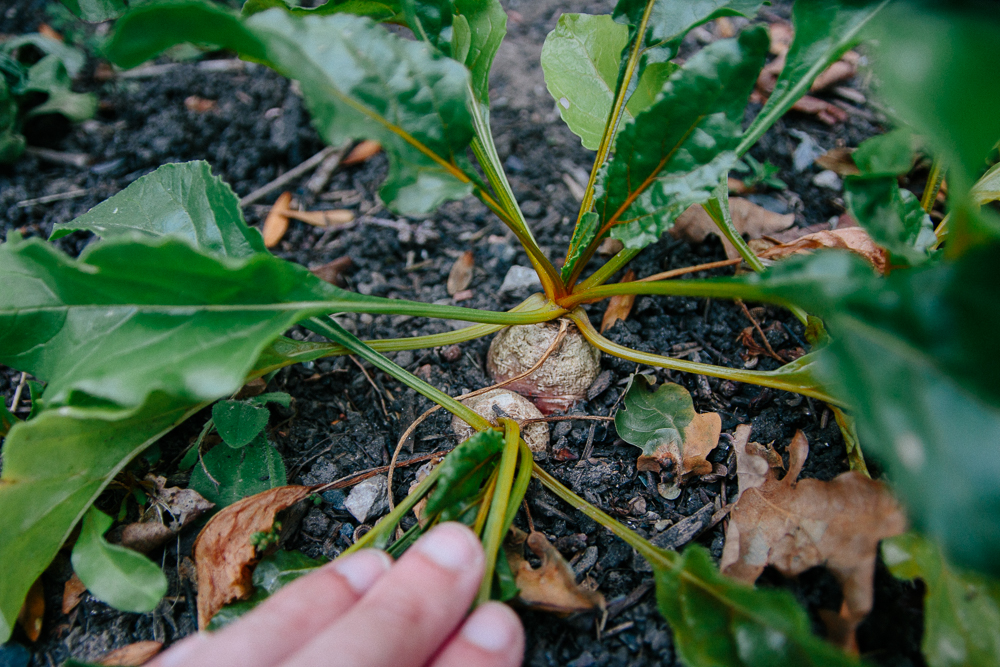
(824, 31)
(961, 609)
(912, 353)
(674, 153)
(272, 574)
(96, 11)
(431, 21)
(54, 467)
(464, 470)
(49, 77)
(886, 154)
(226, 474)
(583, 234)
(480, 26)
(181, 200)
(892, 216)
(987, 189)
(72, 58)
(721, 622)
(652, 419)
(358, 80)
(581, 59)
(378, 10)
(239, 422)
(279, 397)
(125, 579)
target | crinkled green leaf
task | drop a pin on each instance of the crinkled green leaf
(431, 21)
(96, 11)
(378, 10)
(463, 470)
(49, 76)
(961, 609)
(183, 200)
(892, 216)
(123, 578)
(358, 80)
(272, 573)
(279, 397)
(886, 154)
(583, 235)
(226, 475)
(824, 31)
(72, 58)
(480, 26)
(913, 354)
(651, 419)
(684, 135)
(987, 189)
(581, 58)
(671, 20)
(239, 422)
(721, 622)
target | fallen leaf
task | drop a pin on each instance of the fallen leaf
(619, 306)
(796, 525)
(145, 537)
(46, 30)
(609, 247)
(182, 505)
(724, 27)
(362, 152)
(825, 111)
(33, 611)
(198, 104)
(335, 217)
(133, 654)
(460, 275)
(751, 468)
(552, 586)
(276, 223)
(842, 70)
(855, 239)
(839, 160)
(73, 593)
(700, 438)
(737, 187)
(333, 272)
(751, 220)
(223, 552)
(781, 34)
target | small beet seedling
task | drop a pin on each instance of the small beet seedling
(180, 303)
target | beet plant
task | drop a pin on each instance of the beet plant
(179, 303)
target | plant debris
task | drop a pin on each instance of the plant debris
(751, 220)
(552, 586)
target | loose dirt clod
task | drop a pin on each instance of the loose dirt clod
(564, 377)
(516, 406)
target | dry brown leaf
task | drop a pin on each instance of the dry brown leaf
(276, 223)
(73, 593)
(700, 438)
(198, 104)
(609, 247)
(825, 111)
(737, 187)
(552, 586)
(362, 152)
(839, 160)
(333, 272)
(133, 654)
(223, 553)
(460, 275)
(781, 37)
(724, 27)
(795, 525)
(46, 30)
(146, 537)
(842, 70)
(33, 611)
(335, 217)
(751, 220)
(182, 505)
(619, 306)
(855, 239)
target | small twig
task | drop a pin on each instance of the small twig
(378, 391)
(48, 199)
(564, 418)
(690, 269)
(563, 326)
(767, 344)
(527, 515)
(17, 393)
(79, 160)
(352, 479)
(289, 176)
(326, 169)
(588, 448)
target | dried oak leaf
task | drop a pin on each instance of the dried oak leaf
(460, 275)
(753, 461)
(855, 239)
(552, 586)
(795, 525)
(132, 654)
(171, 509)
(619, 306)
(751, 220)
(223, 553)
(72, 593)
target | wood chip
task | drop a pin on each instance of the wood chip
(276, 223)
(619, 306)
(362, 152)
(199, 104)
(333, 272)
(460, 275)
(133, 654)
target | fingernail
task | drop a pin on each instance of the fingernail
(452, 546)
(362, 569)
(182, 652)
(492, 627)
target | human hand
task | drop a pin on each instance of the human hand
(365, 611)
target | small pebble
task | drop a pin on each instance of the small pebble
(368, 498)
(827, 179)
(520, 277)
(451, 353)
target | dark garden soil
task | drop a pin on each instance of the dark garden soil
(340, 424)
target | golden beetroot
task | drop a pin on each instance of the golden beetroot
(536, 436)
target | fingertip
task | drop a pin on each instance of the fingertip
(452, 546)
(362, 569)
(493, 627)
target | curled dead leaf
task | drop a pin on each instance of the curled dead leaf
(751, 220)
(619, 306)
(460, 275)
(700, 437)
(73, 593)
(362, 152)
(132, 654)
(839, 160)
(855, 239)
(223, 552)
(33, 611)
(333, 272)
(795, 525)
(276, 223)
(552, 586)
